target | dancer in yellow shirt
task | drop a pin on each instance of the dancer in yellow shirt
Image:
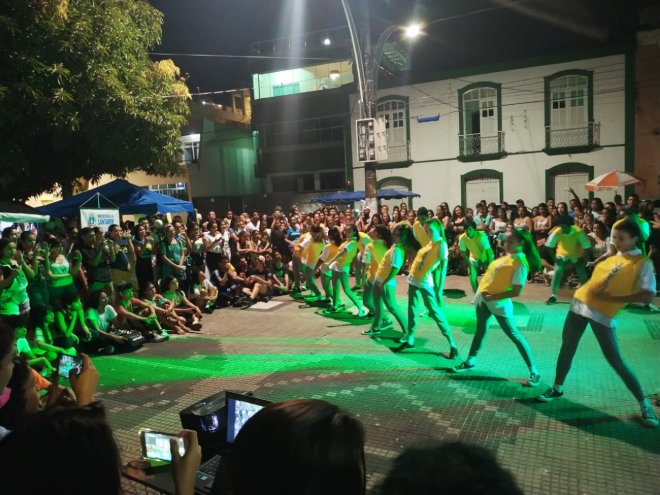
(420, 284)
(385, 282)
(571, 243)
(621, 279)
(310, 256)
(476, 250)
(504, 279)
(340, 266)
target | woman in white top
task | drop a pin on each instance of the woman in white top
(499, 223)
(542, 223)
(213, 246)
(523, 220)
(600, 241)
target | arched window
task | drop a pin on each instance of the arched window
(481, 120)
(560, 178)
(398, 183)
(481, 184)
(394, 110)
(569, 111)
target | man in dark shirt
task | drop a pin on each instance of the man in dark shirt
(96, 258)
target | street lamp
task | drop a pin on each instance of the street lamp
(368, 69)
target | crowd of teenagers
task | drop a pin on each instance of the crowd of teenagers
(66, 290)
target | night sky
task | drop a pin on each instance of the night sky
(458, 34)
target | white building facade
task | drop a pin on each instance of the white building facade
(526, 132)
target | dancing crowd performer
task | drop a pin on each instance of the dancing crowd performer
(296, 263)
(362, 242)
(312, 247)
(571, 243)
(439, 273)
(381, 241)
(621, 279)
(504, 279)
(421, 283)
(340, 266)
(384, 290)
(330, 251)
(476, 250)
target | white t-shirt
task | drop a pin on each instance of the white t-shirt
(250, 227)
(102, 319)
(215, 248)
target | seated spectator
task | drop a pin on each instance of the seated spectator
(258, 282)
(133, 314)
(164, 310)
(41, 336)
(101, 319)
(263, 246)
(449, 469)
(296, 447)
(24, 350)
(223, 278)
(204, 294)
(70, 322)
(182, 306)
(279, 274)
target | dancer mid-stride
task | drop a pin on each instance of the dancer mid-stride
(621, 279)
(504, 279)
(340, 266)
(384, 289)
(420, 284)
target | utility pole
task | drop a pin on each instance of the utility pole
(370, 178)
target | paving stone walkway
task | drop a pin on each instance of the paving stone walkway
(590, 442)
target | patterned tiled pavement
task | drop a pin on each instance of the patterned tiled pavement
(590, 442)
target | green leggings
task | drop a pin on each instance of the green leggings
(385, 296)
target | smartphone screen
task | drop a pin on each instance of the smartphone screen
(68, 363)
(156, 445)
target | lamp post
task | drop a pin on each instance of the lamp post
(368, 68)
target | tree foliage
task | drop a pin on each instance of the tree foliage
(79, 96)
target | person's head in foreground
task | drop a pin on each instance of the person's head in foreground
(79, 453)
(297, 447)
(452, 468)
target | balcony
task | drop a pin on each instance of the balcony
(572, 140)
(397, 154)
(476, 147)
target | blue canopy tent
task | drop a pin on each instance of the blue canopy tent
(348, 196)
(130, 198)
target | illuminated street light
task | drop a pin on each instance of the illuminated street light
(367, 66)
(327, 41)
(412, 31)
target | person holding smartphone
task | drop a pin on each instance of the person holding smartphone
(14, 299)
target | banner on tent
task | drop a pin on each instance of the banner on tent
(95, 217)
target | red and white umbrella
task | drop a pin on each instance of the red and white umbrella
(612, 181)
